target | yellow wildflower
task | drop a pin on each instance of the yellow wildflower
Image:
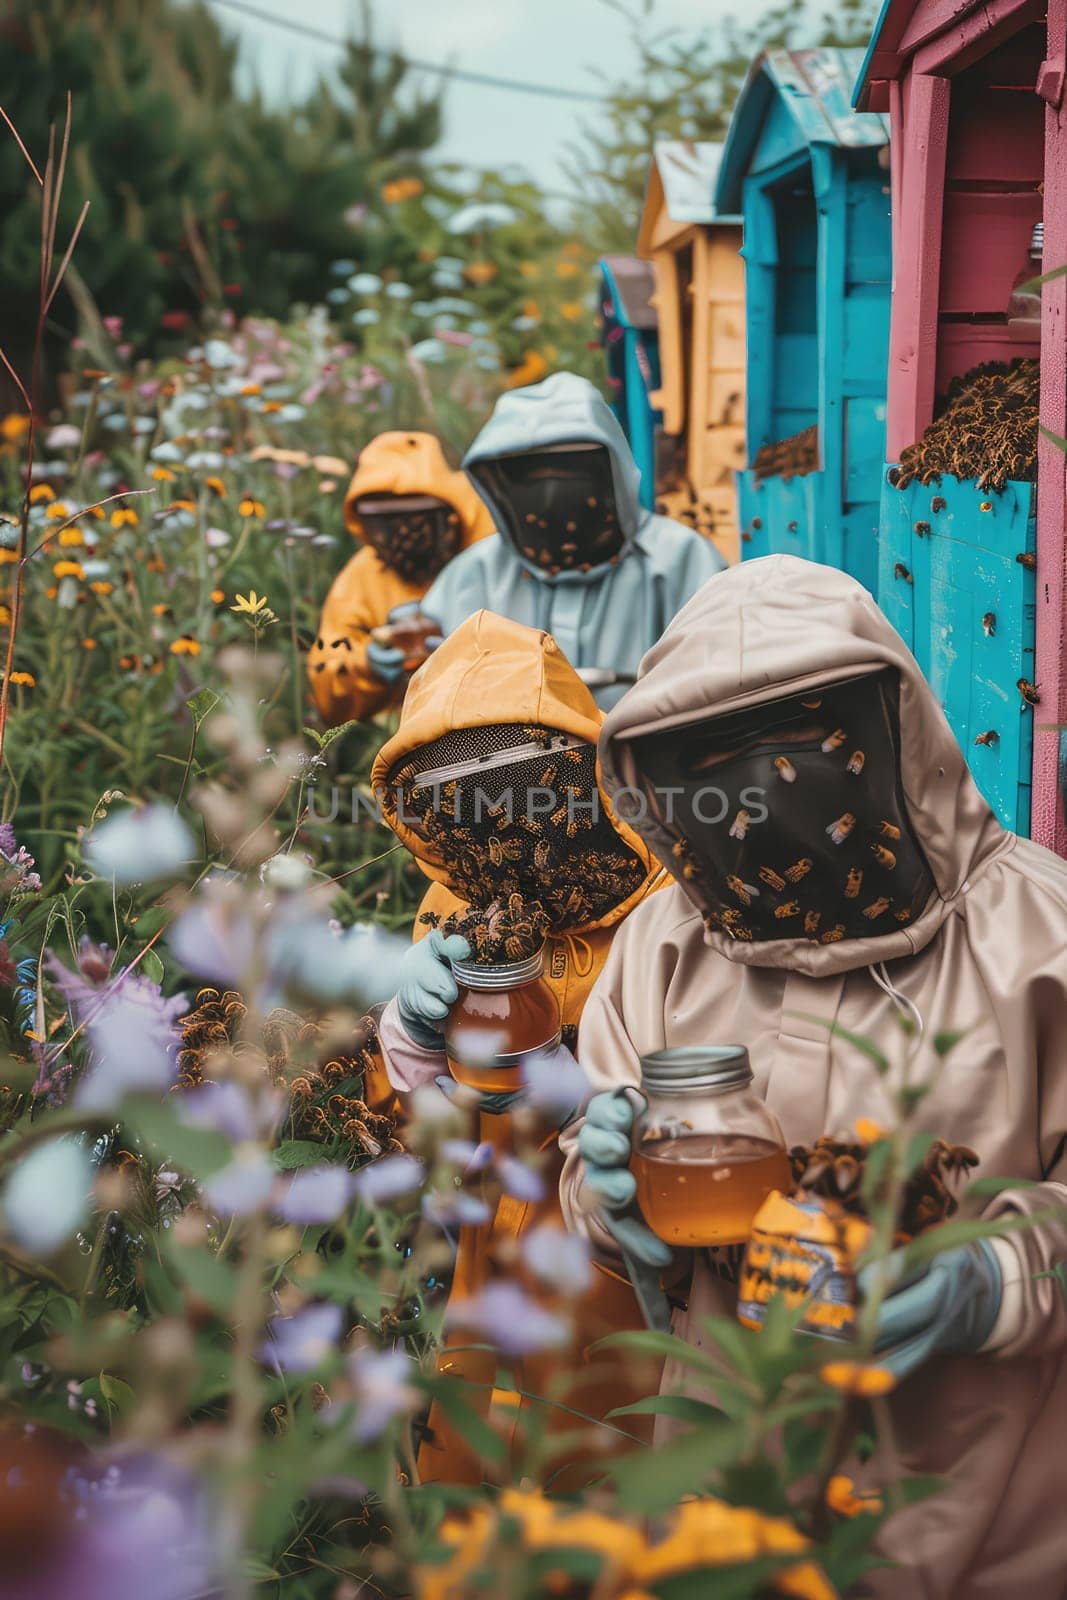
(248, 507)
(96, 512)
(531, 308)
(88, 644)
(250, 388)
(250, 604)
(41, 491)
(26, 679)
(271, 406)
(185, 646)
(566, 269)
(218, 596)
(14, 428)
(124, 517)
(573, 247)
(161, 609)
(571, 310)
(707, 1533)
(8, 558)
(869, 1132)
(528, 269)
(57, 511)
(216, 486)
(71, 537)
(156, 564)
(842, 1497)
(400, 189)
(479, 272)
(5, 616)
(182, 505)
(163, 475)
(51, 592)
(101, 586)
(532, 367)
(856, 1377)
(69, 569)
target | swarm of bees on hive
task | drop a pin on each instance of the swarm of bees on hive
(987, 429)
(507, 930)
(788, 458)
(326, 1101)
(833, 1169)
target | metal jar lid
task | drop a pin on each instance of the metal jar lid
(475, 975)
(711, 1068)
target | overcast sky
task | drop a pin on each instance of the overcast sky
(562, 42)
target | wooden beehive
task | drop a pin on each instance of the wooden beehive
(974, 91)
(699, 301)
(629, 332)
(810, 179)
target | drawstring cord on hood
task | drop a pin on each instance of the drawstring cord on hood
(881, 977)
(579, 950)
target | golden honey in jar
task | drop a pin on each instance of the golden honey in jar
(707, 1150)
(408, 629)
(505, 1016)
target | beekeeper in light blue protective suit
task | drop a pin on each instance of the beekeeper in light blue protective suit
(575, 553)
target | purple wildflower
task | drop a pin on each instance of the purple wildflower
(317, 1194)
(388, 1179)
(304, 1341)
(132, 1032)
(555, 1084)
(381, 1387)
(245, 1184)
(140, 845)
(559, 1259)
(505, 1316)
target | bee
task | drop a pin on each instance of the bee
(548, 778)
(842, 827)
(799, 869)
(575, 755)
(877, 908)
(901, 571)
(855, 763)
(1027, 559)
(542, 855)
(743, 891)
(739, 931)
(739, 826)
(885, 858)
(903, 915)
(514, 947)
(679, 848)
(773, 879)
(1028, 691)
(834, 934)
(539, 736)
(789, 908)
(558, 817)
(888, 830)
(729, 916)
(811, 922)
(812, 705)
(989, 737)
(786, 770)
(989, 624)
(938, 503)
(834, 741)
(985, 505)
(853, 883)
(921, 529)
(501, 850)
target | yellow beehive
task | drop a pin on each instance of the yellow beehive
(700, 307)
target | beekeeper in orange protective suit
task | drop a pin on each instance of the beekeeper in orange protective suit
(412, 514)
(502, 696)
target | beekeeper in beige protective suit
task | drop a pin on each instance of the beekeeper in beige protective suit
(784, 677)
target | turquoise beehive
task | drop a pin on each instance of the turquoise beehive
(631, 346)
(810, 179)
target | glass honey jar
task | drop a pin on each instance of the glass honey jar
(505, 1016)
(409, 629)
(707, 1151)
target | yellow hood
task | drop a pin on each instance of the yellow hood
(490, 671)
(414, 463)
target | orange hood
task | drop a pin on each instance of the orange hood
(491, 670)
(414, 463)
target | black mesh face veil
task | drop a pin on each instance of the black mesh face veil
(415, 535)
(514, 809)
(789, 818)
(557, 504)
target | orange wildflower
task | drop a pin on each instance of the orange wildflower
(571, 310)
(216, 486)
(88, 644)
(842, 1497)
(70, 538)
(218, 596)
(14, 428)
(69, 569)
(185, 646)
(41, 491)
(856, 1377)
(250, 388)
(251, 508)
(124, 517)
(25, 679)
(566, 269)
(869, 1132)
(532, 367)
(161, 609)
(163, 475)
(101, 586)
(400, 189)
(57, 511)
(479, 272)
(8, 557)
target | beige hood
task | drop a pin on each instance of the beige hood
(772, 627)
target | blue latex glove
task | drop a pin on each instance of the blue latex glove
(949, 1310)
(428, 991)
(604, 1146)
(385, 662)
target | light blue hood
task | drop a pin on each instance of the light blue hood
(563, 409)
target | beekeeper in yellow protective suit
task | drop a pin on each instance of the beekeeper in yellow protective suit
(501, 697)
(412, 514)
(836, 865)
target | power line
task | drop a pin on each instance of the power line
(485, 79)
